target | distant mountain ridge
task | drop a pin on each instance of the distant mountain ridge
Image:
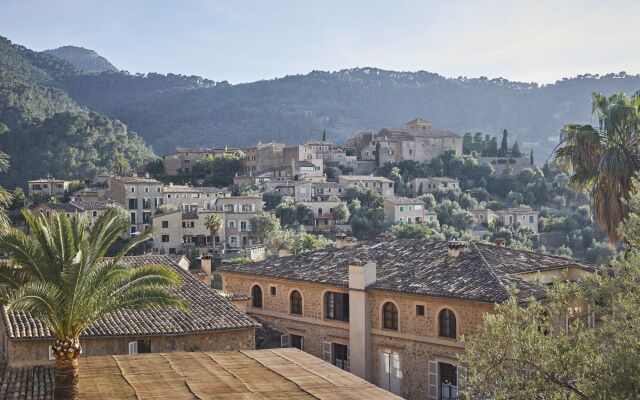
(177, 110)
(85, 59)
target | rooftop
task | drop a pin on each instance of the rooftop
(171, 188)
(403, 200)
(418, 267)
(136, 179)
(208, 311)
(251, 374)
(365, 178)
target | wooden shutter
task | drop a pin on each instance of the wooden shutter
(133, 348)
(284, 340)
(462, 381)
(384, 370)
(348, 367)
(433, 380)
(326, 352)
(394, 374)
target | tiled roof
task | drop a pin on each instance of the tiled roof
(64, 207)
(94, 204)
(249, 374)
(191, 189)
(208, 311)
(419, 267)
(365, 178)
(404, 200)
(136, 179)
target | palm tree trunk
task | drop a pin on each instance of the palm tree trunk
(66, 352)
(66, 379)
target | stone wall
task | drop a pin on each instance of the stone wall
(416, 341)
(36, 351)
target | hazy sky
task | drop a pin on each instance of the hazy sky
(243, 41)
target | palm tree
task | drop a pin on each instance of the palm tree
(62, 278)
(603, 159)
(214, 224)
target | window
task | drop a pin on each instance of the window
(390, 316)
(256, 296)
(94, 213)
(447, 322)
(296, 341)
(146, 189)
(133, 204)
(337, 306)
(340, 356)
(133, 189)
(133, 217)
(146, 203)
(390, 373)
(420, 310)
(531, 219)
(165, 238)
(448, 381)
(401, 208)
(165, 224)
(272, 290)
(146, 217)
(296, 302)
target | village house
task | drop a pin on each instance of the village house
(322, 211)
(382, 185)
(182, 160)
(262, 157)
(326, 190)
(238, 213)
(419, 186)
(295, 190)
(525, 217)
(483, 215)
(92, 209)
(403, 210)
(49, 187)
(211, 323)
(91, 194)
(141, 195)
(192, 198)
(180, 231)
(393, 312)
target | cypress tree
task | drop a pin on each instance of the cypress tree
(531, 157)
(324, 135)
(504, 146)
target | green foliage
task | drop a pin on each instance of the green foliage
(293, 214)
(525, 349)
(603, 160)
(64, 280)
(272, 199)
(630, 226)
(515, 150)
(504, 144)
(166, 209)
(216, 171)
(240, 260)
(414, 231)
(341, 212)
(263, 226)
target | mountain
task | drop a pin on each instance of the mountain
(177, 110)
(85, 59)
(45, 131)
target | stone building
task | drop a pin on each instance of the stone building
(392, 311)
(432, 184)
(178, 232)
(49, 187)
(379, 184)
(211, 324)
(192, 198)
(262, 156)
(522, 216)
(238, 212)
(90, 208)
(140, 195)
(402, 210)
(483, 215)
(183, 159)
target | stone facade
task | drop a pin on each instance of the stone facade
(523, 216)
(401, 210)
(36, 351)
(416, 341)
(183, 159)
(140, 195)
(379, 184)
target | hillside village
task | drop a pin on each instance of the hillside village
(312, 236)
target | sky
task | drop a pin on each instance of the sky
(247, 40)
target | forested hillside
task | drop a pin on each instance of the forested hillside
(85, 59)
(169, 111)
(44, 131)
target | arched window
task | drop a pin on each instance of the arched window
(390, 316)
(447, 320)
(256, 296)
(296, 302)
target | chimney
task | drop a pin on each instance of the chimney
(134, 174)
(500, 242)
(361, 275)
(455, 248)
(146, 174)
(205, 266)
(386, 236)
(343, 241)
